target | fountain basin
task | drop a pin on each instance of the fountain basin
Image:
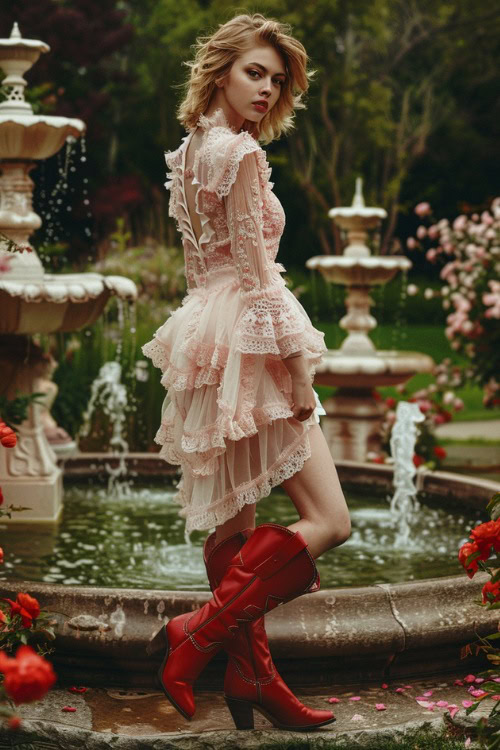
(358, 271)
(27, 136)
(63, 302)
(368, 632)
(370, 369)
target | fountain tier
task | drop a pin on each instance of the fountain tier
(353, 417)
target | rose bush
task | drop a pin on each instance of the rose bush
(481, 552)
(468, 250)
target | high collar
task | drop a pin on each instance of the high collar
(216, 119)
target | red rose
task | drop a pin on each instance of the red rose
(440, 452)
(16, 609)
(470, 548)
(390, 402)
(30, 604)
(27, 677)
(8, 437)
(487, 535)
(418, 460)
(491, 592)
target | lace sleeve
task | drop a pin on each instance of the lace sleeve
(271, 322)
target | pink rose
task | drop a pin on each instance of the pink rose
(423, 209)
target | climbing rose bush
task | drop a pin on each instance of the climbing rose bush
(468, 251)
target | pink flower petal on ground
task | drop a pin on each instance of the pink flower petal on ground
(68, 708)
(333, 700)
(495, 697)
(470, 678)
(408, 687)
(479, 680)
(380, 707)
(77, 689)
(399, 690)
(384, 686)
(453, 711)
(355, 698)
(458, 682)
(496, 679)
(425, 704)
(428, 694)
(467, 704)
(478, 693)
(467, 742)
(442, 704)
(357, 717)
(421, 698)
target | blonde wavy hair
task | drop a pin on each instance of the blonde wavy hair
(215, 55)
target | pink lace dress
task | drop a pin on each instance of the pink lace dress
(227, 419)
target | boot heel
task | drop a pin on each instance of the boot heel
(158, 643)
(241, 711)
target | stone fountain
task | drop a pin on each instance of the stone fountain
(32, 301)
(353, 416)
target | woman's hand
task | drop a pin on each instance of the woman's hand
(303, 401)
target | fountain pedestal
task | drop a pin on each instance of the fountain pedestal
(353, 416)
(29, 473)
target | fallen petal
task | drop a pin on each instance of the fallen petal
(408, 687)
(355, 698)
(458, 682)
(453, 711)
(467, 742)
(495, 697)
(68, 708)
(470, 678)
(333, 700)
(467, 704)
(478, 693)
(357, 717)
(479, 680)
(428, 694)
(425, 704)
(442, 704)
(384, 686)
(380, 707)
(399, 690)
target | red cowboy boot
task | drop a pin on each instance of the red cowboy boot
(272, 567)
(252, 680)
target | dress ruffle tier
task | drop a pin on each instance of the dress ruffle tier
(227, 419)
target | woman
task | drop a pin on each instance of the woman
(238, 357)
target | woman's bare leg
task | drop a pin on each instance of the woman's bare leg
(317, 495)
(245, 519)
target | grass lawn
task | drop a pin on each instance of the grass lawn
(428, 339)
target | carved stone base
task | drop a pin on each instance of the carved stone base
(352, 424)
(42, 495)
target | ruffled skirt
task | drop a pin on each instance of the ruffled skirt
(227, 418)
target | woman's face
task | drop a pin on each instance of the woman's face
(254, 81)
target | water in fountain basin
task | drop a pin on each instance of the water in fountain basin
(137, 540)
(404, 505)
